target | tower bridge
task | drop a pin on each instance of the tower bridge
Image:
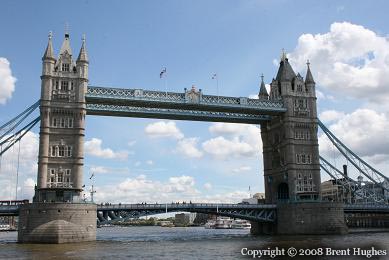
(291, 161)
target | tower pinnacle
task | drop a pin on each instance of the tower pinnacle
(49, 53)
(309, 77)
(83, 56)
(262, 91)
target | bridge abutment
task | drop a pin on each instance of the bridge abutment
(305, 218)
(57, 223)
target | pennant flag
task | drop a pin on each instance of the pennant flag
(162, 72)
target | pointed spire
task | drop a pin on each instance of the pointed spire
(309, 77)
(285, 71)
(262, 91)
(49, 53)
(83, 56)
(66, 42)
(283, 55)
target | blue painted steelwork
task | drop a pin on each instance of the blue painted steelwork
(357, 190)
(363, 167)
(121, 212)
(190, 105)
(176, 114)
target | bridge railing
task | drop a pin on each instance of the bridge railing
(184, 206)
(105, 93)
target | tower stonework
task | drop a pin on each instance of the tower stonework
(290, 143)
(61, 155)
(291, 161)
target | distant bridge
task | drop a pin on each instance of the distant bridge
(253, 212)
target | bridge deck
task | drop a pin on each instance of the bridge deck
(190, 105)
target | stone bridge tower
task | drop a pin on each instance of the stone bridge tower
(291, 160)
(58, 214)
(290, 143)
(61, 155)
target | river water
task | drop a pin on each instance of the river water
(187, 243)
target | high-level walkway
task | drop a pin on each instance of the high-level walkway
(188, 105)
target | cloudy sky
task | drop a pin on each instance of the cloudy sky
(129, 42)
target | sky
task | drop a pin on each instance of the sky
(129, 42)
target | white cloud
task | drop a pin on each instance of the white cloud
(163, 129)
(99, 169)
(7, 81)
(93, 147)
(178, 188)
(28, 167)
(188, 148)
(140, 189)
(364, 131)
(149, 162)
(330, 116)
(110, 170)
(207, 186)
(131, 143)
(349, 59)
(242, 169)
(243, 141)
(223, 148)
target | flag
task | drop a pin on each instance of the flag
(91, 176)
(214, 76)
(162, 72)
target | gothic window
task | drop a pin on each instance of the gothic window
(67, 179)
(70, 122)
(61, 151)
(53, 151)
(301, 103)
(56, 85)
(62, 122)
(68, 151)
(299, 88)
(67, 171)
(303, 158)
(60, 177)
(65, 85)
(65, 67)
(54, 122)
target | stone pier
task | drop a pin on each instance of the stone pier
(305, 218)
(57, 223)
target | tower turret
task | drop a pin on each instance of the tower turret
(262, 91)
(82, 61)
(48, 57)
(309, 77)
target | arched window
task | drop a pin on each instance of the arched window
(61, 151)
(283, 191)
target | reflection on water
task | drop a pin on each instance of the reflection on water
(182, 243)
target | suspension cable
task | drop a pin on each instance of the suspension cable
(33, 107)
(21, 133)
(343, 149)
(23, 116)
